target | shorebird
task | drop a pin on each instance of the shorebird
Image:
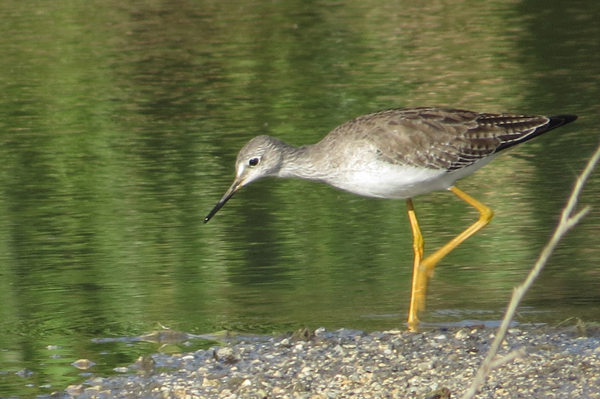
(398, 154)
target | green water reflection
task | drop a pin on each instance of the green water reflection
(119, 126)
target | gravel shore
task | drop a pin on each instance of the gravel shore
(349, 363)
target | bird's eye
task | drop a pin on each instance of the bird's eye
(253, 161)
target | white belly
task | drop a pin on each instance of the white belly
(383, 180)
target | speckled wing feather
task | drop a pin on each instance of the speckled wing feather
(443, 138)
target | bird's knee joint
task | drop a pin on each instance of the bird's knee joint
(488, 215)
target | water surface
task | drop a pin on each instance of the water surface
(119, 127)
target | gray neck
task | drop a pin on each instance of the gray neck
(301, 162)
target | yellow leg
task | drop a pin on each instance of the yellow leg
(423, 270)
(417, 285)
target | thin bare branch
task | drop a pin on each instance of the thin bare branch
(568, 221)
(508, 358)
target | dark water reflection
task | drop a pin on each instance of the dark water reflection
(120, 124)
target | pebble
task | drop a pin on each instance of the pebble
(350, 363)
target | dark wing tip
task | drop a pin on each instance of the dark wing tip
(533, 126)
(559, 120)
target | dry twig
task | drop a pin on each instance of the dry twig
(568, 220)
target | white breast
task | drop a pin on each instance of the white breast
(384, 180)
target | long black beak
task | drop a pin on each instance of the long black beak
(232, 190)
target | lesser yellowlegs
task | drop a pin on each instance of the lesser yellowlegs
(398, 154)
